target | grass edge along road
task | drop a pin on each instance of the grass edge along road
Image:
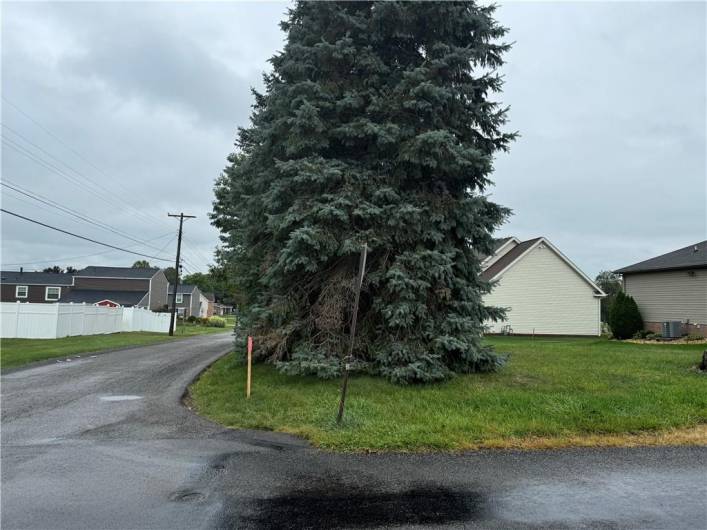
(554, 392)
(19, 352)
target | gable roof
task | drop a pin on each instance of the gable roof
(118, 272)
(690, 257)
(498, 243)
(508, 258)
(35, 278)
(92, 296)
(182, 289)
(514, 255)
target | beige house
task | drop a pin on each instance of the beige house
(671, 287)
(543, 292)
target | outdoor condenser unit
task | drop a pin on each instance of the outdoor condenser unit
(672, 329)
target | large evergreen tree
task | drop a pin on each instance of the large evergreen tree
(377, 125)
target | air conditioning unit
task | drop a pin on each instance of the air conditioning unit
(672, 329)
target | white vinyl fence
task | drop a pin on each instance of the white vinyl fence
(51, 321)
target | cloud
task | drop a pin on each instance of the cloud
(150, 94)
(609, 99)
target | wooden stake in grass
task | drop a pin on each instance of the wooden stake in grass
(250, 362)
(348, 358)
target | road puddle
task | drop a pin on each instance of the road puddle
(339, 508)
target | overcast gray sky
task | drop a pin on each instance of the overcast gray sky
(126, 111)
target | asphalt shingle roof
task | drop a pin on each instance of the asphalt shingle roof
(117, 272)
(183, 288)
(507, 258)
(690, 257)
(35, 278)
(91, 296)
(498, 243)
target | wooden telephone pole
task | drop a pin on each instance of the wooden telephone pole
(181, 217)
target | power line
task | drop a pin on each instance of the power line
(196, 252)
(82, 157)
(51, 167)
(81, 237)
(15, 187)
(34, 157)
(70, 211)
(70, 258)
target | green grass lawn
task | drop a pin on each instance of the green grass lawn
(557, 389)
(16, 352)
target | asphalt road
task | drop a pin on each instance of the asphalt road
(103, 442)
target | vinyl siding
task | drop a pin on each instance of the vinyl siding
(545, 296)
(670, 295)
(194, 303)
(159, 287)
(111, 284)
(186, 303)
(35, 293)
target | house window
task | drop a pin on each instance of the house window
(52, 294)
(180, 298)
(21, 291)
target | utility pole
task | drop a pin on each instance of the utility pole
(176, 268)
(354, 318)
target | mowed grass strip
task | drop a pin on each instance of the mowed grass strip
(18, 352)
(552, 393)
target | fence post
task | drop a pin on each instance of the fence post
(17, 319)
(56, 321)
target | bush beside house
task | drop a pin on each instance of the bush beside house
(624, 317)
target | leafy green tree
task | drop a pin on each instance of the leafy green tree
(55, 269)
(141, 264)
(201, 280)
(378, 125)
(610, 283)
(215, 281)
(624, 317)
(171, 274)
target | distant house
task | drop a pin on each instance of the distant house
(21, 286)
(543, 291)
(671, 286)
(211, 302)
(222, 309)
(189, 300)
(119, 286)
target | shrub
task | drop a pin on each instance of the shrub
(191, 319)
(215, 322)
(694, 337)
(624, 317)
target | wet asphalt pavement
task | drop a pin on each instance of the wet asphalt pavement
(103, 442)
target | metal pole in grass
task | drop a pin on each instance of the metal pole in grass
(250, 362)
(347, 359)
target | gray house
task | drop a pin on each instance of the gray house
(671, 286)
(188, 300)
(119, 286)
(36, 287)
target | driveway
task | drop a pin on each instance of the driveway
(103, 442)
